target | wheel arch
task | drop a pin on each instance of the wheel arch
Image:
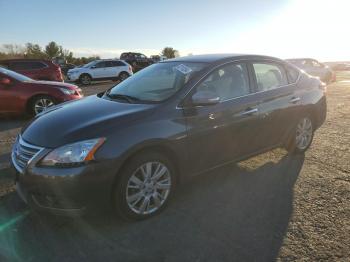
(34, 96)
(161, 148)
(121, 72)
(85, 73)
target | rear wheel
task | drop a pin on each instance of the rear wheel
(123, 76)
(145, 186)
(40, 104)
(85, 79)
(302, 136)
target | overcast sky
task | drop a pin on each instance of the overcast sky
(282, 28)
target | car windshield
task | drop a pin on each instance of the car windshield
(156, 83)
(15, 75)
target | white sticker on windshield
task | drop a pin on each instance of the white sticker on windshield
(183, 69)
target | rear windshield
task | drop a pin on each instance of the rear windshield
(157, 82)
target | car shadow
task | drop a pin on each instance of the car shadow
(235, 213)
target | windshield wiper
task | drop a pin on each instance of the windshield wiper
(129, 99)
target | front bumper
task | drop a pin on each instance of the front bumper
(65, 191)
(72, 77)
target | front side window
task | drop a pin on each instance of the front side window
(316, 64)
(269, 76)
(100, 65)
(307, 62)
(156, 82)
(227, 82)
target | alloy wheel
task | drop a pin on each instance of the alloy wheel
(42, 104)
(148, 188)
(304, 133)
(85, 80)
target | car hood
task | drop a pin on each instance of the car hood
(91, 117)
(53, 84)
(79, 69)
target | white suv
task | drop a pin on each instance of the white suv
(100, 70)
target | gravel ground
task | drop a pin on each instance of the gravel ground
(270, 207)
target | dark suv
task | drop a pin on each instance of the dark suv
(34, 68)
(136, 60)
(130, 146)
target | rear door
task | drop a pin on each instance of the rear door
(100, 70)
(229, 130)
(277, 98)
(116, 68)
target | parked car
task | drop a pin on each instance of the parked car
(34, 68)
(66, 67)
(113, 69)
(130, 146)
(158, 58)
(341, 67)
(315, 68)
(20, 94)
(136, 60)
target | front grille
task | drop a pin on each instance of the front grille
(23, 153)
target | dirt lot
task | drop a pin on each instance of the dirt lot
(271, 207)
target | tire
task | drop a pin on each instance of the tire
(123, 76)
(85, 79)
(134, 197)
(302, 136)
(40, 103)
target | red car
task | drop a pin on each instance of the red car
(20, 94)
(34, 68)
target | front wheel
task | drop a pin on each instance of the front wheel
(302, 136)
(85, 79)
(40, 104)
(145, 186)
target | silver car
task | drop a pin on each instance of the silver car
(314, 68)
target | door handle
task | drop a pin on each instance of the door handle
(294, 100)
(249, 111)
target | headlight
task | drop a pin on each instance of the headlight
(68, 91)
(73, 154)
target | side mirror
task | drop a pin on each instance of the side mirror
(205, 98)
(5, 81)
(93, 67)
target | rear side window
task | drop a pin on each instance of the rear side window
(117, 63)
(27, 65)
(269, 76)
(227, 82)
(101, 65)
(292, 74)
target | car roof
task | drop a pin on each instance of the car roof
(300, 59)
(212, 58)
(101, 60)
(25, 60)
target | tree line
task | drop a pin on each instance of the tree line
(52, 50)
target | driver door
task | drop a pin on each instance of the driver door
(228, 130)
